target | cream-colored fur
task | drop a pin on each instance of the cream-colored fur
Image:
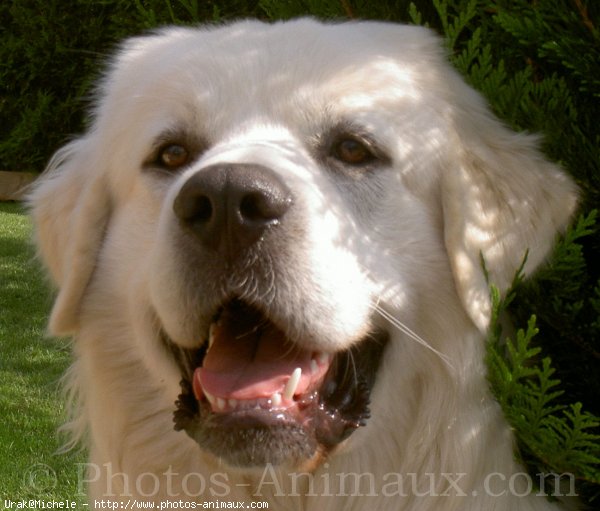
(398, 248)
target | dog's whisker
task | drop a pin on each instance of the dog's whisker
(354, 369)
(291, 349)
(395, 322)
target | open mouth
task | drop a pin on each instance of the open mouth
(251, 396)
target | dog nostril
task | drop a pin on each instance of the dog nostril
(193, 208)
(250, 208)
(262, 207)
(204, 209)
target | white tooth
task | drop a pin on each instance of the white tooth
(221, 403)
(210, 398)
(314, 367)
(292, 384)
(323, 358)
(232, 402)
(276, 399)
(211, 335)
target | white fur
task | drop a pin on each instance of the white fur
(406, 243)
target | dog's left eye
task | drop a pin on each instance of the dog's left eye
(352, 151)
(173, 156)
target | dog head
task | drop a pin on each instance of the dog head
(253, 201)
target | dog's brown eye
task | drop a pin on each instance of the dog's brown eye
(352, 152)
(173, 156)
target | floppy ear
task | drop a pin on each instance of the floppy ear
(70, 208)
(501, 201)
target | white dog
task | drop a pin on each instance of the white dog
(268, 249)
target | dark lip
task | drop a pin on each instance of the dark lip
(324, 417)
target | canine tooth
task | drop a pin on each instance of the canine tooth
(211, 335)
(314, 367)
(292, 384)
(209, 397)
(221, 403)
(276, 399)
(323, 358)
(232, 402)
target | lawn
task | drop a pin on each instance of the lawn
(31, 365)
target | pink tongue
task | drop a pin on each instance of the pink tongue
(250, 360)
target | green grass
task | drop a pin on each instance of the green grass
(31, 408)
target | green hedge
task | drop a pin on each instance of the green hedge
(538, 64)
(51, 52)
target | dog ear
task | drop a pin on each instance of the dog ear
(70, 208)
(501, 202)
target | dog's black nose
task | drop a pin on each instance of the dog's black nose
(230, 206)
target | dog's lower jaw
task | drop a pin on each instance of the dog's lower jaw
(299, 436)
(257, 439)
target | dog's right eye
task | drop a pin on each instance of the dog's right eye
(351, 151)
(173, 156)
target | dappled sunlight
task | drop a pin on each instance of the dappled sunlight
(382, 81)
